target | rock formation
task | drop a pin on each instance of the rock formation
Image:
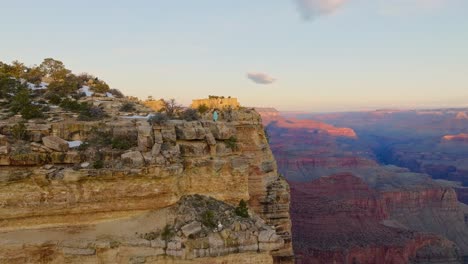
(122, 191)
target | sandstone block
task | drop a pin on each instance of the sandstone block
(270, 246)
(267, 236)
(215, 241)
(191, 228)
(55, 143)
(210, 139)
(156, 149)
(220, 130)
(168, 133)
(194, 149)
(190, 130)
(133, 158)
(4, 150)
(3, 140)
(79, 251)
(158, 138)
(158, 243)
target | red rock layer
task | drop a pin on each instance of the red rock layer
(337, 219)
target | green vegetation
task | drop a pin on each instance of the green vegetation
(167, 233)
(203, 108)
(208, 219)
(98, 164)
(189, 115)
(18, 131)
(116, 93)
(158, 118)
(92, 113)
(127, 107)
(231, 143)
(122, 143)
(266, 135)
(242, 210)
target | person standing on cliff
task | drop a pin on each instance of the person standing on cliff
(215, 115)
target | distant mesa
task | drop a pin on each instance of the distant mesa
(461, 116)
(463, 137)
(272, 116)
(213, 101)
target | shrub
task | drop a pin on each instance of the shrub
(231, 142)
(158, 118)
(21, 103)
(99, 86)
(116, 93)
(127, 107)
(53, 98)
(171, 107)
(190, 115)
(98, 164)
(92, 113)
(203, 108)
(167, 233)
(18, 131)
(208, 219)
(84, 146)
(242, 210)
(33, 111)
(73, 106)
(266, 134)
(122, 143)
(68, 85)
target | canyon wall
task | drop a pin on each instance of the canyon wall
(43, 190)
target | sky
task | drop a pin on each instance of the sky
(294, 55)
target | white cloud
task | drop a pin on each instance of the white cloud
(260, 78)
(313, 8)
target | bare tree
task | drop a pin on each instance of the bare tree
(171, 107)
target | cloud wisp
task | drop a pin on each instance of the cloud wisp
(260, 78)
(313, 8)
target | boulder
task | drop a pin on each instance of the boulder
(168, 133)
(145, 136)
(190, 130)
(210, 139)
(133, 158)
(55, 143)
(3, 140)
(220, 130)
(4, 150)
(191, 228)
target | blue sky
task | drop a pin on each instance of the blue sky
(355, 54)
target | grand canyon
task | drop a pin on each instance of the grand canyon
(374, 187)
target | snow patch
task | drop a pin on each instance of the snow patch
(41, 86)
(74, 144)
(109, 95)
(86, 90)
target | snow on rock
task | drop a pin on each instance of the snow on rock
(86, 90)
(41, 86)
(74, 144)
(109, 95)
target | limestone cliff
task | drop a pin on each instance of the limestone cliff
(61, 202)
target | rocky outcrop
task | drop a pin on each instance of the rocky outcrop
(196, 229)
(100, 181)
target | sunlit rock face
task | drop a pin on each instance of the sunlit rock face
(58, 205)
